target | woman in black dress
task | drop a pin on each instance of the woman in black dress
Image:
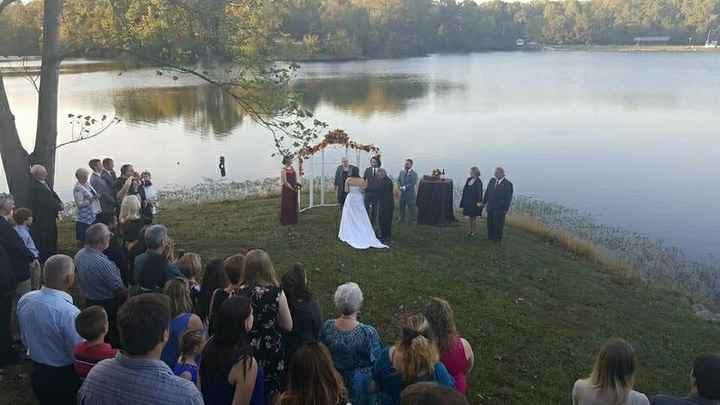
(304, 309)
(472, 197)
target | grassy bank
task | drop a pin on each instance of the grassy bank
(533, 311)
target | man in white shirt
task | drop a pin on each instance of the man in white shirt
(47, 323)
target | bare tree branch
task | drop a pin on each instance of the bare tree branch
(85, 138)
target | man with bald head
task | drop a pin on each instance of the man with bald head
(47, 324)
(498, 198)
(45, 205)
(341, 174)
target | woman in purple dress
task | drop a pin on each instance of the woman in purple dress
(289, 200)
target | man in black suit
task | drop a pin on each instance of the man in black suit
(383, 188)
(497, 202)
(45, 205)
(370, 176)
(341, 174)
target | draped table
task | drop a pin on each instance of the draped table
(435, 202)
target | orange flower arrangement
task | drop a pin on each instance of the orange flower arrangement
(334, 137)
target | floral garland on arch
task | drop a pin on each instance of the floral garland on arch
(335, 137)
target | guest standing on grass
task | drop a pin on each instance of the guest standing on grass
(47, 322)
(455, 352)
(192, 343)
(352, 344)
(705, 384)
(130, 221)
(407, 181)
(155, 267)
(234, 268)
(214, 278)
(312, 378)
(497, 202)
(183, 319)
(99, 278)
(16, 275)
(87, 203)
(92, 324)
(472, 199)
(229, 374)
(304, 309)
(272, 318)
(289, 195)
(46, 206)
(137, 375)
(100, 183)
(612, 379)
(23, 219)
(190, 266)
(341, 174)
(414, 358)
(108, 171)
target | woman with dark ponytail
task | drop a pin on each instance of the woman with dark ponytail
(414, 358)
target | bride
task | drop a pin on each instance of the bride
(355, 227)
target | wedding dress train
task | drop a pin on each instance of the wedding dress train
(355, 227)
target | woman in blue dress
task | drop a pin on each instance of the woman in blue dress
(352, 344)
(413, 359)
(228, 371)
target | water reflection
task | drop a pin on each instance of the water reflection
(202, 109)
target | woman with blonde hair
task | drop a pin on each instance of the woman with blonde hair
(272, 317)
(312, 378)
(612, 379)
(414, 358)
(183, 319)
(190, 265)
(455, 352)
(130, 221)
(234, 268)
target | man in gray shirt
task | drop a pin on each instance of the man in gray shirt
(137, 375)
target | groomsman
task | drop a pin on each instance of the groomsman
(341, 174)
(497, 202)
(371, 199)
(407, 181)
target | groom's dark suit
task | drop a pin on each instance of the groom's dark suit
(497, 202)
(371, 200)
(383, 191)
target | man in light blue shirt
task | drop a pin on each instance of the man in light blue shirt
(99, 278)
(47, 322)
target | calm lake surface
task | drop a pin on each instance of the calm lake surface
(632, 138)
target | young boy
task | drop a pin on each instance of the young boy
(92, 325)
(23, 218)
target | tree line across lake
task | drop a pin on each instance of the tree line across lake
(339, 29)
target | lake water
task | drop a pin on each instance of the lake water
(632, 138)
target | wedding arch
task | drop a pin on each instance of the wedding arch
(321, 167)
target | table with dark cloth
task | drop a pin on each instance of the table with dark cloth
(435, 202)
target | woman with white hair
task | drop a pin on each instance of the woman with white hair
(352, 344)
(87, 201)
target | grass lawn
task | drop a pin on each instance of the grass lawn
(534, 313)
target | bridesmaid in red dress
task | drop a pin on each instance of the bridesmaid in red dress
(289, 200)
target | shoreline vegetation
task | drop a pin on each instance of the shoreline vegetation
(624, 253)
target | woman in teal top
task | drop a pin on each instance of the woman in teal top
(414, 358)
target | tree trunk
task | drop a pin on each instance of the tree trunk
(46, 137)
(14, 156)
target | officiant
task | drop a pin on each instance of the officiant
(341, 174)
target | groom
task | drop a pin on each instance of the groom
(383, 189)
(371, 200)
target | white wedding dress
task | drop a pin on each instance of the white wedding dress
(355, 227)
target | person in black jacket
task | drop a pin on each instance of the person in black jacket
(305, 310)
(498, 198)
(383, 189)
(370, 177)
(705, 385)
(45, 205)
(15, 259)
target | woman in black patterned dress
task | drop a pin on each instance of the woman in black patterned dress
(472, 197)
(272, 316)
